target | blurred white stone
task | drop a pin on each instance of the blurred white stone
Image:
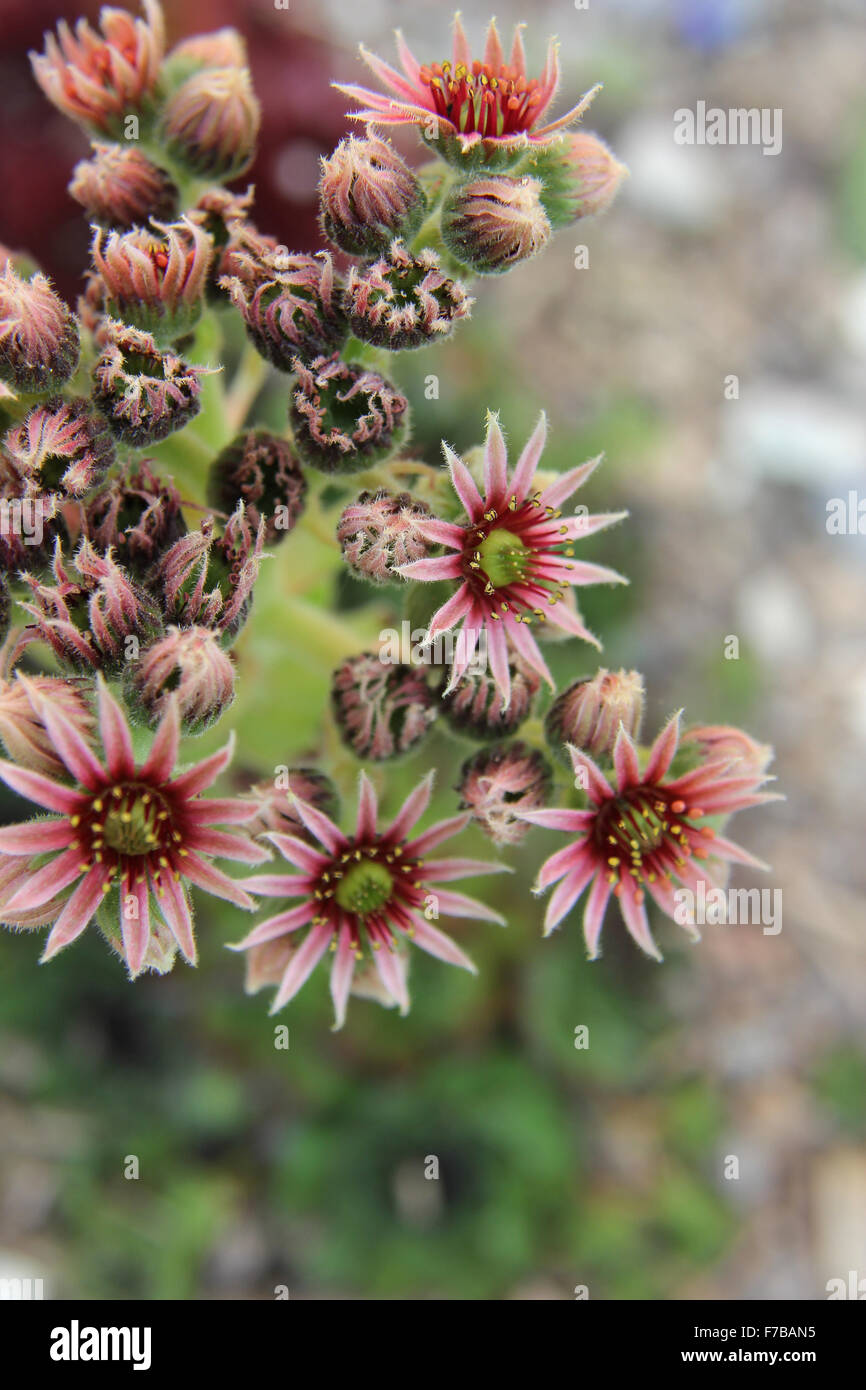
(678, 185)
(779, 431)
(773, 617)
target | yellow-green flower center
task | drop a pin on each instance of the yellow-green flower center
(131, 823)
(364, 888)
(503, 558)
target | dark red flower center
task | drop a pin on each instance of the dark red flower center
(128, 821)
(649, 833)
(369, 882)
(490, 101)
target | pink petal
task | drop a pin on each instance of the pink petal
(116, 739)
(342, 972)
(213, 880)
(597, 787)
(442, 830)
(462, 52)
(625, 761)
(559, 818)
(34, 836)
(320, 825)
(225, 846)
(634, 914)
(461, 905)
(726, 849)
(587, 524)
(77, 912)
(562, 617)
(464, 485)
(205, 773)
(276, 885)
(527, 464)
(493, 54)
(568, 483)
(52, 795)
(302, 964)
(220, 811)
(564, 861)
(411, 66)
(163, 751)
(570, 116)
(662, 752)
(495, 465)
(175, 909)
(428, 571)
(299, 853)
(77, 755)
(411, 811)
(437, 944)
(452, 610)
(392, 972)
(593, 915)
(368, 810)
(46, 882)
(526, 646)
(497, 646)
(391, 78)
(566, 894)
(441, 532)
(135, 930)
(278, 925)
(446, 870)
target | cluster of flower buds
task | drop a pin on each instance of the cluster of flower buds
(206, 580)
(261, 471)
(61, 446)
(137, 515)
(291, 304)
(22, 730)
(144, 393)
(39, 340)
(381, 709)
(155, 279)
(345, 418)
(119, 187)
(498, 784)
(187, 665)
(276, 801)
(476, 705)
(402, 300)
(492, 223)
(379, 532)
(92, 614)
(368, 196)
(588, 714)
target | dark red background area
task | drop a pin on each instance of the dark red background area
(302, 117)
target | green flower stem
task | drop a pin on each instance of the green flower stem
(246, 384)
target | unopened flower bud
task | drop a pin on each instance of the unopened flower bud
(145, 394)
(368, 196)
(29, 522)
(211, 123)
(224, 48)
(290, 304)
(378, 533)
(476, 706)
(579, 176)
(97, 79)
(382, 709)
(722, 741)
(121, 188)
(261, 471)
(275, 801)
(500, 780)
(187, 663)
(23, 731)
(138, 515)
(93, 616)
(38, 335)
(345, 418)
(61, 446)
(207, 580)
(155, 280)
(588, 714)
(403, 301)
(491, 224)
